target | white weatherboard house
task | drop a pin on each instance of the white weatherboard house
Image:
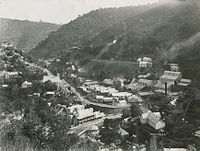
(52, 78)
(174, 67)
(26, 84)
(152, 120)
(185, 82)
(10, 75)
(108, 81)
(144, 62)
(171, 77)
(81, 115)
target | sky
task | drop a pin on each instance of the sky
(58, 11)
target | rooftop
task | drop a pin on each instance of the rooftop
(71, 108)
(172, 72)
(146, 93)
(175, 149)
(52, 78)
(169, 77)
(12, 73)
(85, 113)
(149, 82)
(50, 92)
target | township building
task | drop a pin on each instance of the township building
(2, 76)
(26, 84)
(108, 81)
(145, 82)
(174, 67)
(121, 95)
(134, 99)
(49, 94)
(185, 82)
(80, 115)
(11, 75)
(108, 100)
(52, 78)
(152, 120)
(144, 62)
(171, 77)
(150, 128)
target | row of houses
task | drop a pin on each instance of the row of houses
(105, 94)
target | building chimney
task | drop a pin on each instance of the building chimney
(165, 88)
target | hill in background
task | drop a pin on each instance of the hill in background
(82, 30)
(24, 34)
(164, 31)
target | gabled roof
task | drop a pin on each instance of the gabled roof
(26, 82)
(122, 132)
(148, 82)
(85, 113)
(50, 92)
(175, 149)
(153, 118)
(12, 73)
(79, 107)
(146, 93)
(169, 77)
(52, 78)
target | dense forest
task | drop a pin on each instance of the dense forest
(163, 31)
(24, 34)
(82, 30)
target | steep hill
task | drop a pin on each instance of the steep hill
(24, 34)
(150, 32)
(166, 30)
(82, 29)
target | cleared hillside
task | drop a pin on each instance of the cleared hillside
(24, 34)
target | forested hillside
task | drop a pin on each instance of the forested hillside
(151, 32)
(24, 34)
(164, 31)
(168, 31)
(83, 29)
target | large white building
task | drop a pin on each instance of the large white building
(144, 62)
(152, 120)
(11, 75)
(171, 77)
(80, 115)
(52, 78)
(174, 67)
